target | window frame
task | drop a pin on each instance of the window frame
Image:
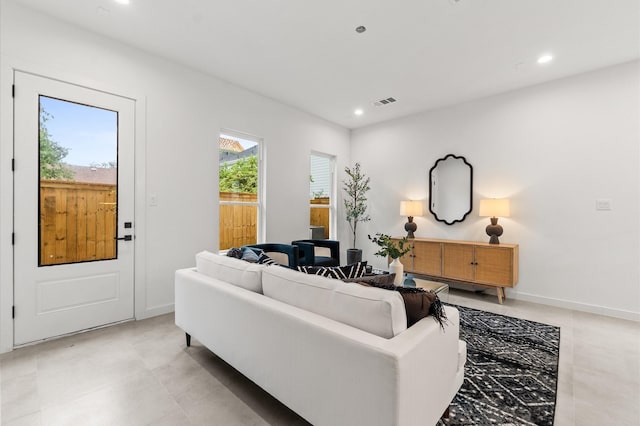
(332, 191)
(260, 203)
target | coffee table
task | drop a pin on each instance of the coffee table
(441, 289)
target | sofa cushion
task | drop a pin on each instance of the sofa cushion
(371, 309)
(418, 303)
(234, 271)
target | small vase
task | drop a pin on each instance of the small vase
(395, 267)
(409, 281)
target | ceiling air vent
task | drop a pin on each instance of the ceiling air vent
(385, 101)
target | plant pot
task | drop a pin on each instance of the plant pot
(396, 267)
(354, 256)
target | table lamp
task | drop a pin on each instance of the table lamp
(494, 208)
(410, 209)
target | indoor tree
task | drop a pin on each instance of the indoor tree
(355, 204)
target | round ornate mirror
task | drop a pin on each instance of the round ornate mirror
(450, 189)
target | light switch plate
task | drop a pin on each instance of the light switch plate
(603, 204)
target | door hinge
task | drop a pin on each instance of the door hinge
(13, 164)
(13, 90)
(13, 311)
(13, 238)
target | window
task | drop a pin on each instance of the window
(321, 196)
(78, 182)
(240, 194)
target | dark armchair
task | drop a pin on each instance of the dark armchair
(323, 253)
(284, 254)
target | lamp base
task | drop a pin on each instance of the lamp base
(410, 227)
(494, 231)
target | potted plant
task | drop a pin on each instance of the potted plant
(355, 204)
(389, 248)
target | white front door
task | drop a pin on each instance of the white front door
(73, 208)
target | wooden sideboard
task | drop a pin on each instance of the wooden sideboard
(481, 264)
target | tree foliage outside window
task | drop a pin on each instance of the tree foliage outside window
(51, 153)
(240, 176)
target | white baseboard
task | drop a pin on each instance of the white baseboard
(582, 307)
(155, 311)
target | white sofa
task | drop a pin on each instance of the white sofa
(309, 341)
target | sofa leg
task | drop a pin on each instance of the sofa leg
(188, 336)
(445, 415)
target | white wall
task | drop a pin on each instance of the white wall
(553, 149)
(183, 113)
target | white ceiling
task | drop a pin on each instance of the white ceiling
(425, 53)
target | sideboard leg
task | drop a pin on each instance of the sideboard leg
(499, 291)
(188, 336)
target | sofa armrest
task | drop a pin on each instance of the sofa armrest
(428, 361)
(306, 253)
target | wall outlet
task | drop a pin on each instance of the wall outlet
(603, 204)
(153, 200)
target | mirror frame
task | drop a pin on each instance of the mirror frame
(470, 188)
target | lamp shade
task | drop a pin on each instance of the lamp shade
(410, 208)
(495, 207)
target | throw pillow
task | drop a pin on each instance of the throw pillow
(234, 252)
(373, 280)
(266, 260)
(249, 255)
(354, 270)
(417, 302)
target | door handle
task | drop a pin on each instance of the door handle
(125, 238)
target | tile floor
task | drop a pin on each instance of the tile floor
(140, 373)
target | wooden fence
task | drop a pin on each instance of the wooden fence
(319, 216)
(77, 221)
(238, 224)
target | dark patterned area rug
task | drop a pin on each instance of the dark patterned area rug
(511, 372)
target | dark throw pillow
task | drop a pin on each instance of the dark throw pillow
(235, 252)
(373, 280)
(417, 302)
(355, 270)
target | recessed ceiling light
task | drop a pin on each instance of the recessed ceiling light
(358, 112)
(545, 59)
(122, 1)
